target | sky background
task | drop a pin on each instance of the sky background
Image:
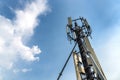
(33, 40)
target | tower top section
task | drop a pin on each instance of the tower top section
(83, 29)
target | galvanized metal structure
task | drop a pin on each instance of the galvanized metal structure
(87, 66)
(86, 63)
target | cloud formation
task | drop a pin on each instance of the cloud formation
(14, 33)
(109, 40)
(112, 52)
(24, 70)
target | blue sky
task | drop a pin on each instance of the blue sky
(33, 41)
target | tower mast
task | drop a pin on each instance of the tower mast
(86, 63)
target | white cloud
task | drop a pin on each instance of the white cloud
(109, 46)
(14, 32)
(1, 78)
(1, 75)
(111, 53)
(24, 70)
(16, 70)
(26, 20)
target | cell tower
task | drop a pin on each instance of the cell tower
(87, 66)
